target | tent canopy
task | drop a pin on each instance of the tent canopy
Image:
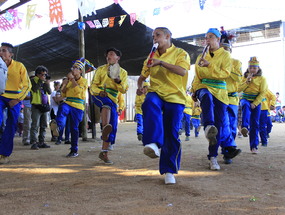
(57, 50)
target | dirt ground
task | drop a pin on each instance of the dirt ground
(46, 182)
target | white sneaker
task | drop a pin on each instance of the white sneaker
(169, 178)
(214, 164)
(151, 150)
(110, 147)
(211, 132)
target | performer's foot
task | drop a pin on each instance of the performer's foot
(4, 159)
(214, 164)
(104, 157)
(151, 150)
(106, 131)
(211, 132)
(169, 178)
(244, 132)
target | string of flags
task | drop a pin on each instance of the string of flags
(14, 19)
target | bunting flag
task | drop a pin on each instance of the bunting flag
(202, 4)
(156, 11)
(91, 24)
(86, 7)
(81, 25)
(133, 18)
(105, 22)
(31, 10)
(168, 7)
(111, 22)
(16, 17)
(122, 19)
(117, 1)
(141, 17)
(97, 23)
(55, 12)
(5, 25)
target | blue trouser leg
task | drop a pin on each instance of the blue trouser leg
(108, 103)
(152, 120)
(207, 105)
(61, 119)
(254, 127)
(224, 137)
(250, 120)
(161, 126)
(246, 113)
(196, 124)
(262, 126)
(139, 118)
(187, 118)
(67, 129)
(269, 123)
(7, 141)
(233, 119)
(76, 116)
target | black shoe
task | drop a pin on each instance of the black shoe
(72, 155)
(67, 142)
(43, 146)
(140, 136)
(227, 160)
(232, 152)
(35, 146)
(53, 139)
(58, 142)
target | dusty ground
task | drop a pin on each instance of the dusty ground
(46, 182)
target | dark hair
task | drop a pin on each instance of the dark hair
(40, 69)
(10, 46)
(165, 30)
(277, 93)
(56, 83)
(118, 52)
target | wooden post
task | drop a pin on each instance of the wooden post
(82, 54)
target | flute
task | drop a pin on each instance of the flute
(203, 54)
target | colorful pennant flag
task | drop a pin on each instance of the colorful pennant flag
(31, 10)
(111, 22)
(202, 4)
(122, 19)
(81, 25)
(133, 18)
(105, 22)
(86, 7)
(156, 11)
(97, 23)
(55, 11)
(91, 24)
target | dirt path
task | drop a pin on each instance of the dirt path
(46, 182)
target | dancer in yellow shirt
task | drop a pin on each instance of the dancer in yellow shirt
(164, 102)
(17, 87)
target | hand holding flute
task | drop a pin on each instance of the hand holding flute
(202, 61)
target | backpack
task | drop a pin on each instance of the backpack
(3, 76)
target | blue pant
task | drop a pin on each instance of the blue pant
(185, 123)
(250, 120)
(76, 115)
(269, 124)
(108, 103)
(161, 122)
(139, 119)
(196, 124)
(233, 119)
(263, 126)
(7, 140)
(215, 113)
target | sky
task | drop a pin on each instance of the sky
(182, 17)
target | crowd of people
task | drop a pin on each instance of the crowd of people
(225, 101)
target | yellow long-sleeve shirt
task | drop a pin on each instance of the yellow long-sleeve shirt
(214, 76)
(254, 91)
(75, 96)
(138, 103)
(188, 105)
(269, 100)
(112, 88)
(121, 101)
(18, 82)
(233, 82)
(197, 110)
(169, 86)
